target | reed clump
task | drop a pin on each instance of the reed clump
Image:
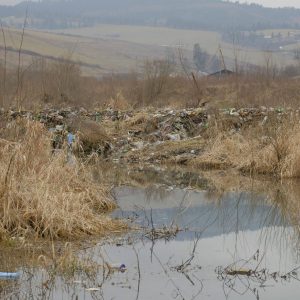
(44, 195)
(271, 150)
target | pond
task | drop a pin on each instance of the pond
(191, 244)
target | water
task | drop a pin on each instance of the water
(218, 234)
(229, 229)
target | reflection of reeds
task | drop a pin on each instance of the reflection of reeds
(243, 276)
(273, 203)
(277, 198)
(157, 181)
(42, 195)
(280, 199)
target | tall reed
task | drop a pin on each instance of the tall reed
(42, 195)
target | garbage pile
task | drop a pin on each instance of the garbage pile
(168, 125)
(112, 133)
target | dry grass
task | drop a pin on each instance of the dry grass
(44, 196)
(274, 150)
(91, 136)
(139, 119)
(61, 84)
(67, 263)
(262, 145)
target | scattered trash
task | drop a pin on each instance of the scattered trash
(77, 282)
(8, 276)
(70, 139)
(93, 289)
(117, 268)
(114, 134)
(122, 268)
(173, 137)
(166, 233)
(239, 272)
(138, 145)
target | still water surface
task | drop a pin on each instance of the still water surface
(239, 230)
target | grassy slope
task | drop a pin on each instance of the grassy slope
(108, 55)
(151, 35)
(120, 48)
(161, 36)
(284, 33)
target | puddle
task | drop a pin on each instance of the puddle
(239, 245)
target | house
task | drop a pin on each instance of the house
(221, 73)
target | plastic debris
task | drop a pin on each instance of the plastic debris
(123, 135)
(93, 289)
(70, 138)
(173, 137)
(7, 275)
(122, 268)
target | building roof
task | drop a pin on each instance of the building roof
(223, 72)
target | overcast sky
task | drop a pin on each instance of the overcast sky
(9, 2)
(275, 3)
(271, 3)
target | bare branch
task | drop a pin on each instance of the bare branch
(19, 71)
(5, 65)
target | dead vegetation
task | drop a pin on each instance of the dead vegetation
(252, 141)
(244, 276)
(44, 195)
(158, 83)
(260, 149)
(91, 135)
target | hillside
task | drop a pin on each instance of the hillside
(213, 15)
(171, 38)
(118, 36)
(106, 49)
(95, 56)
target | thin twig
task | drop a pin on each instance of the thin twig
(19, 60)
(5, 65)
(139, 273)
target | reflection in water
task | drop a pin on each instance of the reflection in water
(231, 245)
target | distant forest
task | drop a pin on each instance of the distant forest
(214, 15)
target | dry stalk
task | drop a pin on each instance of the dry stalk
(47, 196)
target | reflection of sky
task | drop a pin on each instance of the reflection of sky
(236, 226)
(160, 281)
(193, 210)
(211, 253)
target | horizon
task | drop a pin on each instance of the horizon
(266, 3)
(273, 3)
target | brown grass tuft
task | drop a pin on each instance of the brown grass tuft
(92, 136)
(43, 195)
(139, 119)
(274, 150)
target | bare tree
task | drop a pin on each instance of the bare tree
(198, 92)
(19, 69)
(156, 74)
(270, 66)
(3, 94)
(296, 52)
